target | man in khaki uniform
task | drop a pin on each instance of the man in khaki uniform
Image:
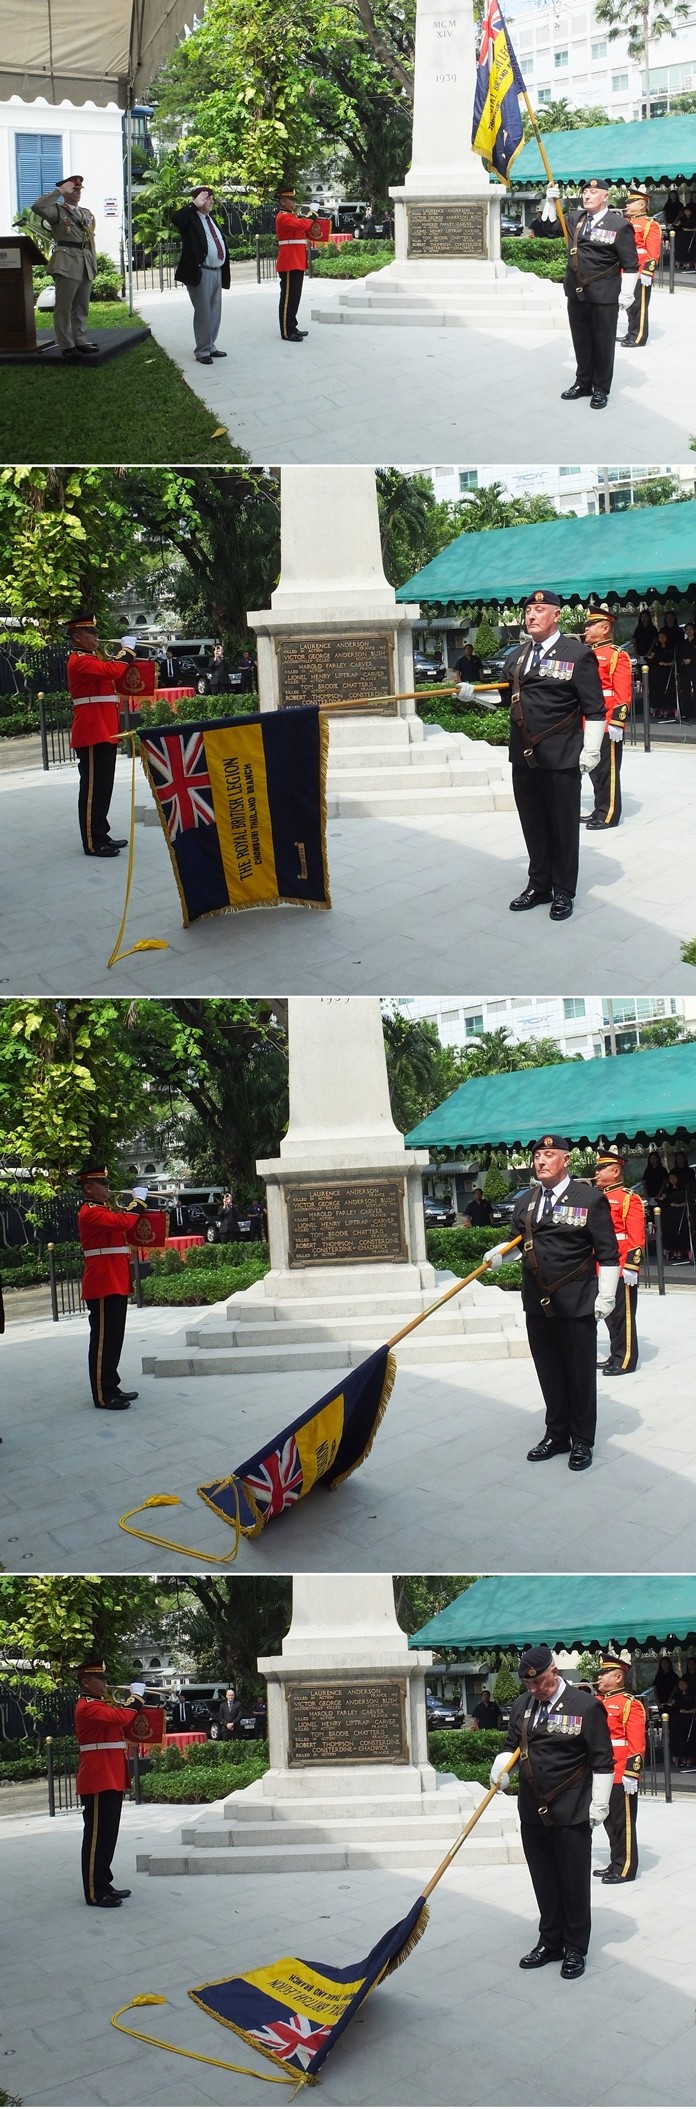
(73, 263)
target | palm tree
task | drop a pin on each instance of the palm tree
(641, 21)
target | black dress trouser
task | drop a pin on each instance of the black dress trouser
(291, 283)
(97, 769)
(621, 1325)
(620, 1827)
(637, 315)
(107, 1325)
(548, 803)
(606, 782)
(593, 330)
(559, 1861)
(101, 1815)
(564, 1353)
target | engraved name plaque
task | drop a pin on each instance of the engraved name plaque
(448, 230)
(336, 670)
(346, 1220)
(347, 1724)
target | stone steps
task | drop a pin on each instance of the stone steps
(333, 1354)
(335, 1830)
(455, 1800)
(376, 804)
(279, 1330)
(321, 1859)
(487, 307)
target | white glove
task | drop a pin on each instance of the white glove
(630, 1786)
(645, 278)
(615, 734)
(607, 1285)
(494, 1256)
(499, 1776)
(628, 287)
(548, 211)
(602, 1783)
(466, 692)
(137, 1691)
(139, 1193)
(592, 744)
(630, 1275)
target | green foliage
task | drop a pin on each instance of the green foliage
(688, 953)
(421, 1072)
(527, 256)
(21, 1768)
(496, 1184)
(486, 640)
(661, 490)
(588, 1666)
(477, 723)
(54, 1620)
(198, 1783)
(228, 1621)
(197, 709)
(507, 1684)
(462, 1250)
(106, 285)
(67, 1083)
(198, 1285)
(419, 1597)
(248, 1757)
(356, 260)
(561, 116)
(468, 1754)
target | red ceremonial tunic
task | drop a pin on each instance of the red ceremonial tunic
(626, 1723)
(101, 1731)
(107, 1236)
(92, 685)
(648, 236)
(628, 1218)
(291, 235)
(616, 676)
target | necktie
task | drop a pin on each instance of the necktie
(533, 667)
(215, 236)
(547, 1210)
(542, 1714)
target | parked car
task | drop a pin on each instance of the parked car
(443, 1713)
(213, 1235)
(509, 224)
(428, 667)
(503, 1210)
(439, 1215)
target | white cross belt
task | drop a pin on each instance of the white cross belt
(101, 1746)
(77, 700)
(103, 1252)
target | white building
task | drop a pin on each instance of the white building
(581, 1025)
(40, 142)
(581, 488)
(564, 53)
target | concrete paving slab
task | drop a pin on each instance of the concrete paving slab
(376, 394)
(447, 1483)
(431, 2035)
(422, 904)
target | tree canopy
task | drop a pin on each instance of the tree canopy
(54, 1621)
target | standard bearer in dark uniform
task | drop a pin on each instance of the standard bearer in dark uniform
(602, 246)
(566, 1774)
(104, 1732)
(567, 1232)
(628, 1218)
(555, 691)
(627, 1728)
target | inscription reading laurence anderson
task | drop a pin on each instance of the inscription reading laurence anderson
(447, 230)
(338, 1724)
(352, 1219)
(335, 669)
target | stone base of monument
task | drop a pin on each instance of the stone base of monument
(384, 766)
(439, 295)
(332, 1826)
(287, 1323)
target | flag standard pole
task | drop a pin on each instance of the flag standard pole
(454, 1291)
(408, 695)
(449, 1857)
(545, 159)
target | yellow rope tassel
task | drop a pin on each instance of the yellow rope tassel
(271, 2079)
(145, 944)
(162, 1501)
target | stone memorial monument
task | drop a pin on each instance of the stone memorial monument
(349, 1782)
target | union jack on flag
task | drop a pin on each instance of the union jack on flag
(277, 1481)
(296, 2038)
(182, 782)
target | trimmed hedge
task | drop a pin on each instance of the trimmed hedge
(207, 1754)
(197, 1285)
(22, 1768)
(461, 1250)
(352, 260)
(544, 259)
(190, 709)
(468, 1753)
(193, 1782)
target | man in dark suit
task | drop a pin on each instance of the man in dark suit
(230, 1714)
(556, 733)
(567, 1235)
(566, 1777)
(204, 270)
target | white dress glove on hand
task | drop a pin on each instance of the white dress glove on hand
(630, 1786)
(591, 744)
(602, 1783)
(137, 1691)
(494, 1256)
(631, 1277)
(499, 1777)
(615, 734)
(628, 287)
(645, 278)
(607, 1285)
(466, 692)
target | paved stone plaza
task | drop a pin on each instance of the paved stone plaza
(457, 2024)
(447, 1486)
(381, 394)
(418, 905)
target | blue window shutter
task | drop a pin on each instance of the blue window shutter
(51, 161)
(39, 161)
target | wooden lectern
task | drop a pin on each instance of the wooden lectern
(17, 320)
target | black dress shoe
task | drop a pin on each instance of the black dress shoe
(86, 351)
(548, 1447)
(214, 355)
(628, 343)
(610, 1875)
(570, 395)
(118, 1893)
(299, 333)
(594, 821)
(127, 1395)
(610, 1369)
(598, 401)
(108, 1902)
(561, 907)
(600, 1872)
(580, 1457)
(118, 841)
(529, 899)
(540, 1955)
(207, 361)
(106, 849)
(573, 1963)
(115, 1405)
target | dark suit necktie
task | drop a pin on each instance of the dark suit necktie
(542, 1714)
(547, 1210)
(212, 230)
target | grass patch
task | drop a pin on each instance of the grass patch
(138, 407)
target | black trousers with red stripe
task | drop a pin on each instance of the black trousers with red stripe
(107, 1325)
(97, 768)
(606, 782)
(621, 1326)
(620, 1827)
(101, 1815)
(291, 283)
(637, 315)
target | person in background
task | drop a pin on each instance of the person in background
(644, 636)
(479, 1211)
(468, 666)
(486, 1713)
(648, 234)
(230, 1714)
(665, 1681)
(627, 1728)
(204, 269)
(247, 668)
(218, 681)
(686, 673)
(258, 1226)
(654, 1176)
(228, 1220)
(73, 264)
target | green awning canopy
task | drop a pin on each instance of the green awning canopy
(622, 556)
(658, 149)
(630, 1098)
(567, 1611)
